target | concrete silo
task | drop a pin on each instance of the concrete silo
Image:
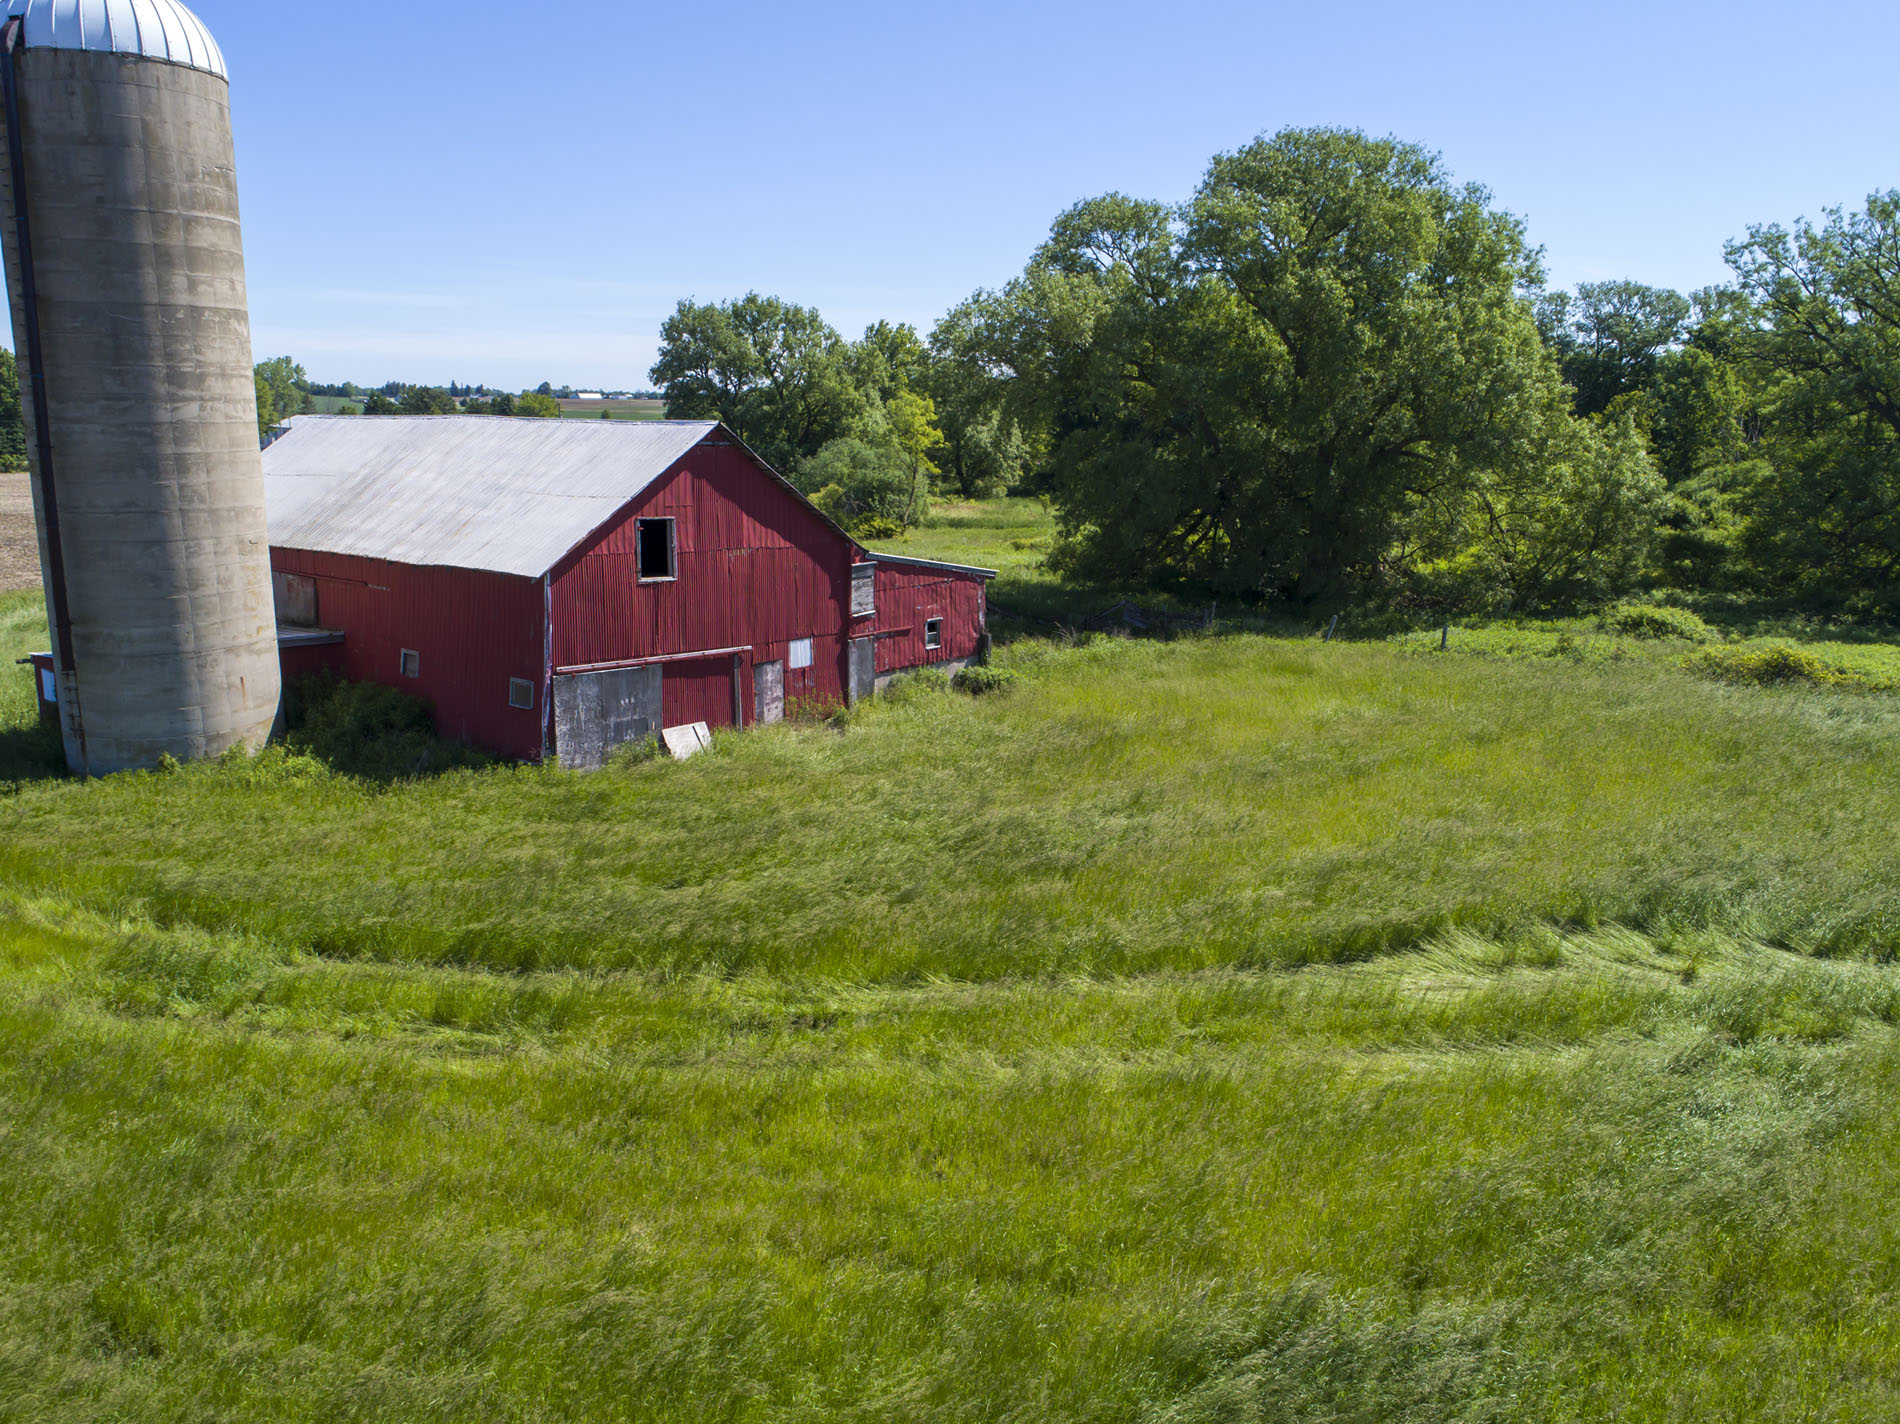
(126, 272)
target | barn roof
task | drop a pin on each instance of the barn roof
(467, 491)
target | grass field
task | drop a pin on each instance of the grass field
(1237, 1028)
(613, 410)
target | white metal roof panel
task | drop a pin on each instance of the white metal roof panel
(502, 493)
(156, 29)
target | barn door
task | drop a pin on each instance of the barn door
(594, 712)
(768, 692)
(863, 669)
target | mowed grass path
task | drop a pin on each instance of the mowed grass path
(1230, 1030)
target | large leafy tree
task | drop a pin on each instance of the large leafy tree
(1310, 378)
(773, 371)
(1826, 302)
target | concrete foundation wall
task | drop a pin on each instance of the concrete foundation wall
(132, 190)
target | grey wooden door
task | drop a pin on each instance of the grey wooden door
(768, 692)
(594, 712)
(863, 669)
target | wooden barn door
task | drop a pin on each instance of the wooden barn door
(768, 692)
(863, 669)
(594, 712)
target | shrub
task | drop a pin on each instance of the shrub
(983, 679)
(876, 526)
(635, 753)
(912, 686)
(1768, 667)
(369, 730)
(1649, 620)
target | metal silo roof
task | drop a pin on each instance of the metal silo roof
(156, 29)
(500, 493)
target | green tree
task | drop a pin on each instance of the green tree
(852, 479)
(1306, 382)
(376, 403)
(1824, 511)
(986, 449)
(12, 422)
(1611, 337)
(537, 405)
(283, 391)
(890, 358)
(427, 400)
(774, 372)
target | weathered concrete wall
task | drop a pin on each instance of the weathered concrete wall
(133, 203)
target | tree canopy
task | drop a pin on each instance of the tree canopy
(282, 391)
(1320, 374)
(776, 374)
(1825, 340)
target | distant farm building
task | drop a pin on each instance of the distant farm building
(559, 587)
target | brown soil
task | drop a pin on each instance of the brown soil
(19, 549)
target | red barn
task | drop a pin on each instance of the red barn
(563, 586)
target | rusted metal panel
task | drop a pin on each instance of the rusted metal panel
(474, 631)
(768, 682)
(911, 595)
(594, 712)
(863, 669)
(296, 596)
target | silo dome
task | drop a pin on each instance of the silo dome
(155, 29)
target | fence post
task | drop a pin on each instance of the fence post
(1331, 628)
(1444, 637)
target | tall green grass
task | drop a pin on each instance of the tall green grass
(1584, 1177)
(1238, 1028)
(1126, 807)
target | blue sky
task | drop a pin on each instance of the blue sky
(494, 192)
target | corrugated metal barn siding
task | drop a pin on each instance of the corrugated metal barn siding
(473, 631)
(908, 597)
(756, 567)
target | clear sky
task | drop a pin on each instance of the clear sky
(506, 193)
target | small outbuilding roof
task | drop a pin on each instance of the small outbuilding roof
(499, 493)
(156, 29)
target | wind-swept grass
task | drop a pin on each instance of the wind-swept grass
(1237, 1028)
(1568, 1177)
(1125, 807)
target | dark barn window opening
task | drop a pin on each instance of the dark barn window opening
(411, 663)
(521, 693)
(933, 633)
(655, 549)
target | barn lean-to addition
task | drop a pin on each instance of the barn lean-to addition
(557, 587)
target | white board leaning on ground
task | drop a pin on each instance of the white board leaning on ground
(688, 740)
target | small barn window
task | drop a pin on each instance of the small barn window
(799, 654)
(655, 538)
(863, 590)
(521, 693)
(411, 663)
(933, 632)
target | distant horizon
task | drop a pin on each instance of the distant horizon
(531, 210)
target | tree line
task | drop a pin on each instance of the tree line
(1335, 374)
(284, 391)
